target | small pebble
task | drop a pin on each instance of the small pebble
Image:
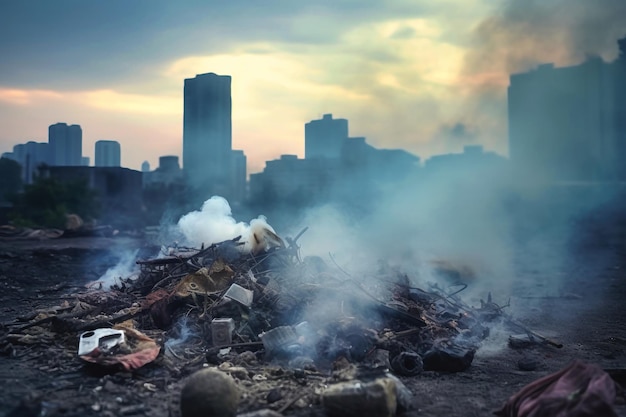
(274, 395)
(528, 364)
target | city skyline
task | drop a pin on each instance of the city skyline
(425, 76)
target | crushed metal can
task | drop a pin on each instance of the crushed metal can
(222, 331)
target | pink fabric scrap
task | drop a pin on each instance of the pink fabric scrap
(578, 390)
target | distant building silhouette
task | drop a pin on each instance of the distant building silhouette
(335, 167)
(207, 133)
(84, 161)
(145, 166)
(359, 159)
(473, 160)
(239, 175)
(569, 124)
(108, 153)
(66, 144)
(168, 172)
(295, 180)
(169, 163)
(324, 138)
(31, 156)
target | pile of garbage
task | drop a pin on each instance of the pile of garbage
(297, 313)
(261, 314)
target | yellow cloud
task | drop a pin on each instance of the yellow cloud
(100, 99)
(288, 74)
(130, 103)
(26, 97)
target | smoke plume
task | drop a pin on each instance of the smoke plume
(124, 268)
(214, 223)
(524, 33)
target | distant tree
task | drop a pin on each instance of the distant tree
(10, 178)
(46, 202)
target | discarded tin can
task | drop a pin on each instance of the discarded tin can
(357, 399)
(103, 339)
(240, 294)
(222, 331)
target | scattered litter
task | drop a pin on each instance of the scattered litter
(579, 389)
(222, 331)
(357, 399)
(240, 294)
(101, 339)
(407, 364)
(280, 340)
(136, 351)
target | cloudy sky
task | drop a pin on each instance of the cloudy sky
(429, 76)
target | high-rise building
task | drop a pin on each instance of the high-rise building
(31, 156)
(239, 174)
(568, 123)
(325, 138)
(108, 153)
(169, 163)
(207, 133)
(66, 144)
(168, 172)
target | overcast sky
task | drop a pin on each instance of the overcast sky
(429, 76)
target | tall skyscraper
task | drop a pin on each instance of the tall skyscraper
(66, 144)
(325, 138)
(108, 153)
(207, 132)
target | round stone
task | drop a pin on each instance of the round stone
(209, 392)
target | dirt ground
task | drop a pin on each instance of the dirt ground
(587, 316)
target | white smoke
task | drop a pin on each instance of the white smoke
(214, 223)
(125, 268)
(185, 333)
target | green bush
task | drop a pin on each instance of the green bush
(46, 202)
